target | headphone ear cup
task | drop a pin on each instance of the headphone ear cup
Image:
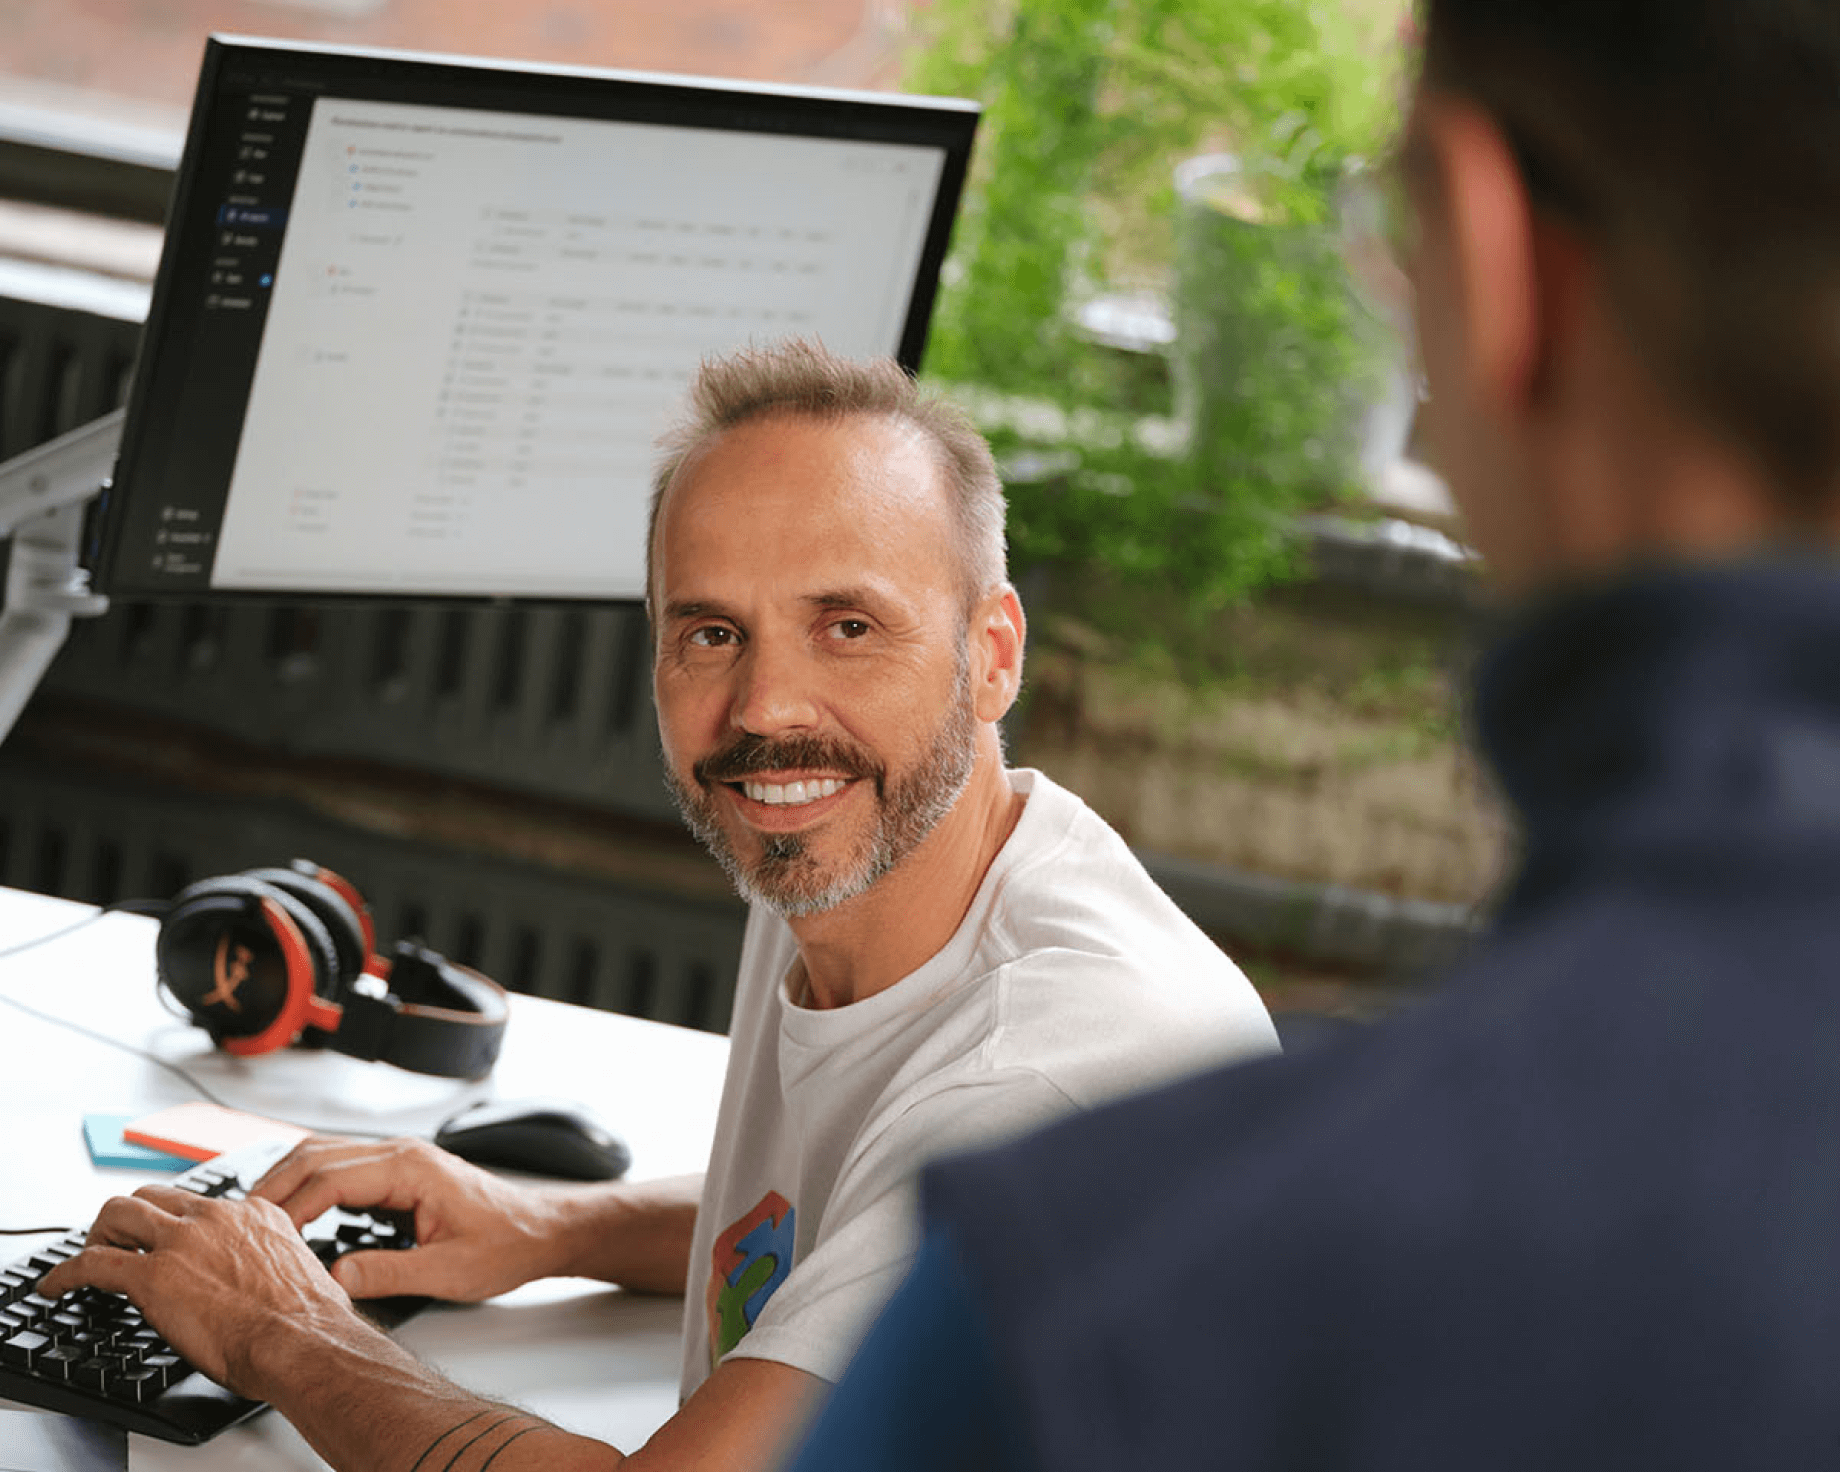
(347, 891)
(244, 958)
(343, 922)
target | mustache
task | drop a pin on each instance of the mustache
(748, 755)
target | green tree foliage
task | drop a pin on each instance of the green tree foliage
(1089, 104)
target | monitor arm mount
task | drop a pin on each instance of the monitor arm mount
(43, 494)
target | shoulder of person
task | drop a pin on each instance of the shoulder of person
(1069, 879)
(1099, 1025)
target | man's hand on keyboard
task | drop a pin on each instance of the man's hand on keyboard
(477, 1235)
(212, 1276)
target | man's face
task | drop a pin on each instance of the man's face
(812, 675)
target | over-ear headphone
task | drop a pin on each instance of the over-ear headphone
(271, 957)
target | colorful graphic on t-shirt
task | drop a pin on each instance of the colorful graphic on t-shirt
(751, 1260)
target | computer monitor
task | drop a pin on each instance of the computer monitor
(419, 320)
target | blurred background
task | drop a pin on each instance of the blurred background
(140, 54)
(1171, 302)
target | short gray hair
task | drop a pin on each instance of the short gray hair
(802, 377)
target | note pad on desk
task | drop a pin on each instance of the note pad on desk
(202, 1131)
(102, 1135)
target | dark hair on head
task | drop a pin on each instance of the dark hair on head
(1698, 141)
(802, 377)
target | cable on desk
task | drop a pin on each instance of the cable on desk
(123, 907)
(101, 1037)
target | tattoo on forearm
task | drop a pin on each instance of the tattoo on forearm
(480, 1436)
(536, 1426)
(528, 1425)
(457, 1426)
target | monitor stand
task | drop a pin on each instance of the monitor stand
(43, 494)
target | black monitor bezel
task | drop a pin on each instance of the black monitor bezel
(532, 89)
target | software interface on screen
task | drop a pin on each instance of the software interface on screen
(426, 348)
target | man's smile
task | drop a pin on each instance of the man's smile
(792, 794)
(781, 803)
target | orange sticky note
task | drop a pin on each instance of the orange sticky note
(203, 1131)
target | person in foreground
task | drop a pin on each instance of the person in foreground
(1582, 1209)
(940, 952)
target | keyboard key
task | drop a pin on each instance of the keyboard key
(137, 1385)
(389, 1221)
(57, 1360)
(24, 1347)
(93, 1374)
(168, 1366)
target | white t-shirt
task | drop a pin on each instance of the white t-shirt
(1072, 979)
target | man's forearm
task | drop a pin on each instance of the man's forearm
(635, 1235)
(363, 1402)
(366, 1405)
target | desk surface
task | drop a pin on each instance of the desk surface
(584, 1355)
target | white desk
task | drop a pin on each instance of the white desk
(586, 1356)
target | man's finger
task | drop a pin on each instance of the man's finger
(437, 1271)
(139, 1221)
(283, 1177)
(316, 1183)
(380, 1274)
(173, 1200)
(112, 1269)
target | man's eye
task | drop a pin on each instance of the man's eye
(849, 628)
(712, 636)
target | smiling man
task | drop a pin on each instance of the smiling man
(941, 952)
(940, 948)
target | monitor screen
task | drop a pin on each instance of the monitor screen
(420, 321)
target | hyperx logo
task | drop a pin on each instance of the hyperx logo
(230, 970)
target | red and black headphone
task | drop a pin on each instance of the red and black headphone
(272, 957)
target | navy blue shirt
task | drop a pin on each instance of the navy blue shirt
(1580, 1211)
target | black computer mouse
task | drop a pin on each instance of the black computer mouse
(546, 1137)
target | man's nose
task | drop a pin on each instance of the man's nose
(776, 691)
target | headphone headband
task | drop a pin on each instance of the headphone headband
(437, 1017)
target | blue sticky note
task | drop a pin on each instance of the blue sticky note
(102, 1134)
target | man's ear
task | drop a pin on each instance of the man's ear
(998, 633)
(1486, 229)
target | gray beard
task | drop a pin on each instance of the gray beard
(787, 878)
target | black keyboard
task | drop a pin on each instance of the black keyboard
(91, 1354)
